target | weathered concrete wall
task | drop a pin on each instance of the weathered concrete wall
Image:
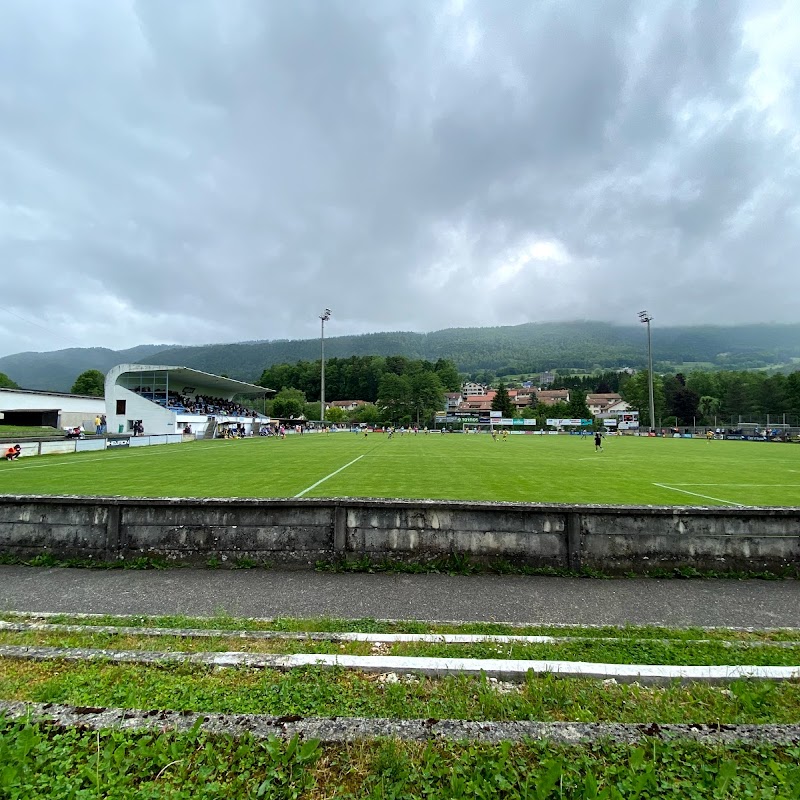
(301, 532)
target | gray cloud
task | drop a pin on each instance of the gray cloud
(217, 171)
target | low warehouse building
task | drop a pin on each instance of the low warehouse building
(49, 409)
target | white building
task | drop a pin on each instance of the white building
(169, 399)
(472, 389)
(53, 409)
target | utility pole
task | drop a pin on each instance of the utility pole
(323, 318)
(646, 319)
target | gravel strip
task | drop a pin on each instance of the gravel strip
(44, 615)
(349, 729)
(502, 669)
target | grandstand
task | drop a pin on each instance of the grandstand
(168, 399)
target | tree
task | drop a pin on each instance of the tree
(636, 393)
(448, 375)
(502, 402)
(92, 383)
(685, 403)
(289, 403)
(427, 396)
(603, 387)
(6, 382)
(368, 414)
(708, 407)
(577, 406)
(395, 398)
(335, 414)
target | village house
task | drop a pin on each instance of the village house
(453, 400)
(600, 403)
(346, 405)
(550, 397)
(470, 389)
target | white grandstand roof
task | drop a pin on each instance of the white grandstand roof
(195, 377)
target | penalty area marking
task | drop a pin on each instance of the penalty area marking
(335, 472)
(704, 496)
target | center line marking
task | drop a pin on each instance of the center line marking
(335, 472)
(704, 496)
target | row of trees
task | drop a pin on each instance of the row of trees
(398, 390)
(357, 377)
(722, 396)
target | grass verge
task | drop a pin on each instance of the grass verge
(224, 621)
(313, 691)
(45, 761)
(630, 651)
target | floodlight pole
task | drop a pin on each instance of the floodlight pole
(323, 318)
(646, 319)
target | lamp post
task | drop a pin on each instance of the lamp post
(323, 318)
(646, 319)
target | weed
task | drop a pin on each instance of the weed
(44, 760)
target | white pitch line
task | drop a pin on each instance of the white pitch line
(704, 496)
(335, 472)
(746, 485)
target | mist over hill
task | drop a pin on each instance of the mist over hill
(531, 347)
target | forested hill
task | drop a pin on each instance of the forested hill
(506, 350)
(56, 370)
(519, 348)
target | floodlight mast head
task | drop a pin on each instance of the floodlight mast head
(324, 317)
(646, 319)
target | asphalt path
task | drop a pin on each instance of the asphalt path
(516, 599)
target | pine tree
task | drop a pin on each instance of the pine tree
(502, 402)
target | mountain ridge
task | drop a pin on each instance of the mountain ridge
(500, 350)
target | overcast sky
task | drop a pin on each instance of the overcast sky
(196, 171)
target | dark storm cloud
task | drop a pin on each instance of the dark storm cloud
(205, 171)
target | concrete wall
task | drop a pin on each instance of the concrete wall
(49, 447)
(300, 532)
(155, 418)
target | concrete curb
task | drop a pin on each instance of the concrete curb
(353, 636)
(502, 669)
(350, 729)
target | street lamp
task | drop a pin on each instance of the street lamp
(323, 318)
(646, 319)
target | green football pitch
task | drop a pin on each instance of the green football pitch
(545, 469)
